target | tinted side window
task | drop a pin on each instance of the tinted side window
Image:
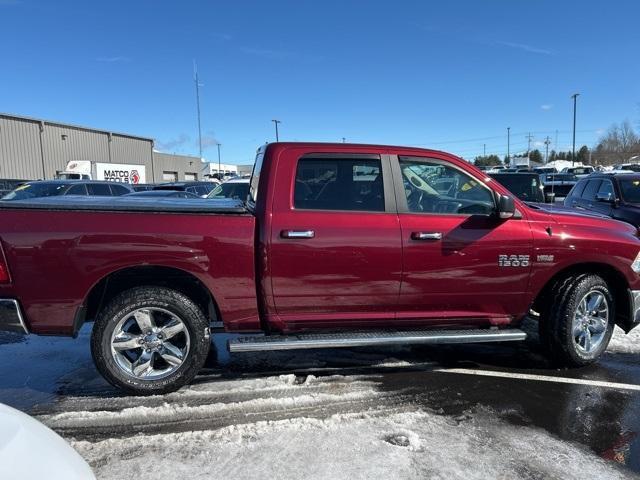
(578, 189)
(591, 189)
(118, 190)
(77, 190)
(434, 187)
(99, 189)
(606, 188)
(339, 184)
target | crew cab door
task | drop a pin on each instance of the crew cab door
(461, 263)
(335, 250)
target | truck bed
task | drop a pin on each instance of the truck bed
(59, 250)
(129, 204)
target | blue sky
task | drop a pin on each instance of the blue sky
(449, 75)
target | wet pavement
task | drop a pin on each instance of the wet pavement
(54, 379)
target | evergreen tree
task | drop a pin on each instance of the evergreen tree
(535, 156)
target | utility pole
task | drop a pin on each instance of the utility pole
(195, 79)
(547, 141)
(484, 149)
(573, 149)
(509, 144)
(344, 140)
(276, 122)
(528, 137)
(219, 163)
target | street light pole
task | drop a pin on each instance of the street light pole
(573, 149)
(276, 122)
(509, 145)
(219, 164)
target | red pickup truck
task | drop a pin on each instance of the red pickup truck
(337, 245)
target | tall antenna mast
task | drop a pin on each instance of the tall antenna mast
(195, 79)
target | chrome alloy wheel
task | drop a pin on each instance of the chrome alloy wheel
(590, 321)
(150, 343)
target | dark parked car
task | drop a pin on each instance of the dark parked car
(614, 195)
(560, 184)
(163, 194)
(237, 188)
(53, 188)
(142, 187)
(201, 189)
(526, 186)
(8, 184)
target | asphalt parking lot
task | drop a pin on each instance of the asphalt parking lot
(439, 412)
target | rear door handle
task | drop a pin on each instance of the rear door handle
(297, 234)
(426, 236)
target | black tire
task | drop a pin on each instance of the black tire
(131, 300)
(556, 329)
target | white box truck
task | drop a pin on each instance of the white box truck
(112, 172)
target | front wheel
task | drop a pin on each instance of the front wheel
(580, 320)
(150, 340)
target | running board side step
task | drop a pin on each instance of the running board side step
(371, 338)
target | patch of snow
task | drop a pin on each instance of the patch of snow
(305, 396)
(351, 446)
(625, 343)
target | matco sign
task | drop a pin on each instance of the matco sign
(118, 172)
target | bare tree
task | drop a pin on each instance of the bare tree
(617, 145)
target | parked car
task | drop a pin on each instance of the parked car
(545, 170)
(142, 187)
(52, 188)
(8, 184)
(580, 172)
(615, 195)
(201, 189)
(633, 167)
(23, 435)
(559, 184)
(337, 245)
(162, 194)
(526, 186)
(237, 188)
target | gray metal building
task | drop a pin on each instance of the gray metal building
(34, 149)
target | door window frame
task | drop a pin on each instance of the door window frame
(401, 196)
(385, 170)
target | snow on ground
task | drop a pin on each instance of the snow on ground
(363, 445)
(625, 343)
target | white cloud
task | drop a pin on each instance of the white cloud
(546, 106)
(526, 48)
(265, 53)
(115, 59)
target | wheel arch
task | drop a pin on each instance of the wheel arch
(125, 278)
(614, 278)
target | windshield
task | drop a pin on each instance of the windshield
(237, 191)
(34, 190)
(630, 190)
(525, 187)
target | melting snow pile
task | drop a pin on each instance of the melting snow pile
(351, 446)
(621, 343)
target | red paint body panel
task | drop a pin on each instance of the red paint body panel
(361, 269)
(56, 257)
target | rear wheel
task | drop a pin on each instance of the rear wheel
(150, 340)
(579, 321)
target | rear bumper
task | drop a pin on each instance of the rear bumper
(11, 319)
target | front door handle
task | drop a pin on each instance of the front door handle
(426, 236)
(297, 234)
